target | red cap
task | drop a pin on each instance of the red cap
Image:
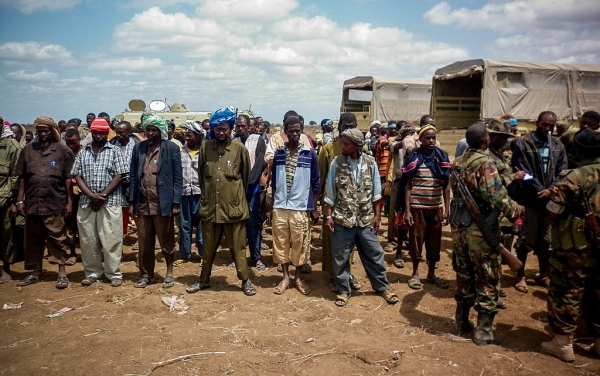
(99, 125)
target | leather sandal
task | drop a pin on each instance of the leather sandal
(197, 286)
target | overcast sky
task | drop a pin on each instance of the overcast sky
(65, 58)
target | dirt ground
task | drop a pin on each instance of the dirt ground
(128, 331)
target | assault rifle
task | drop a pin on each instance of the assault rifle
(590, 218)
(492, 239)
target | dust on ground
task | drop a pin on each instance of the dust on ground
(129, 331)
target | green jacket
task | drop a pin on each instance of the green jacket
(9, 154)
(224, 180)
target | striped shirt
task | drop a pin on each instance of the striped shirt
(427, 191)
(98, 170)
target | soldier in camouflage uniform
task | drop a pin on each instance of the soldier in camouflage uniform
(589, 119)
(499, 135)
(476, 263)
(574, 278)
(353, 215)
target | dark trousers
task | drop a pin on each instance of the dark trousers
(43, 231)
(254, 225)
(151, 227)
(235, 233)
(427, 229)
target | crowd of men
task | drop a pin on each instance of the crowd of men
(74, 182)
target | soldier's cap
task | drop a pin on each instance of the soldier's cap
(499, 129)
(354, 135)
(587, 140)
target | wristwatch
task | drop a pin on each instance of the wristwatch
(326, 217)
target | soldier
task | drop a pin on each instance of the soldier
(574, 260)
(9, 154)
(589, 119)
(477, 263)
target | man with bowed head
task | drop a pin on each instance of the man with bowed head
(224, 171)
(98, 170)
(155, 185)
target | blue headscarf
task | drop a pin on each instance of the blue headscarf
(222, 116)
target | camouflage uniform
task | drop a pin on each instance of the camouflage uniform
(502, 162)
(574, 277)
(476, 263)
(10, 251)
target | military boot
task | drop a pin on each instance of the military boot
(462, 325)
(561, 347)
(484, 334)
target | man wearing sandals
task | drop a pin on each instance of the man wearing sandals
(476, 263)
(543, 157)
(98, 170)
(224, 171)
(45, 199)
(155, 187)
(423, 198)
(295, 185)
(353, 215)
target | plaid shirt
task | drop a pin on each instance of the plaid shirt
(98, 170)
(189, 165)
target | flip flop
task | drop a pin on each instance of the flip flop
(438, 282)
(302, 287)
(62, 282)
(388, 296)
(281, 288)
(342, 300)
(72, 260)
(5, 278)
(415, 284)
(248, 289)
(168, 282)
(29, 280)
(197, 286)
(142, 283)
(399, 263)
(354, 283)
(521, 288)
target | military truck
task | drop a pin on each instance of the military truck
(385, 99)
(466, 91)
(177, 112)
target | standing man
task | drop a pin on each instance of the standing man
(353, 215)
(125, 141)
(423, 197)
(476, 263)
(543, 157)
(574, 280)
(9, 154)
(589, 119)
(295, 193)
(256, 150)
(155, 180)
(224, 171)
(189, 216)
(98, 169)
(326, 156)
(45, 199)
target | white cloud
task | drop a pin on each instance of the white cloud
(247, 10)
(514, 16)
(22, 75)
(35, 6)
(128, 64)
(31, 52)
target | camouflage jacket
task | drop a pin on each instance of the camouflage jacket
(354, 199)
(565, 194)
(483, 181)
(503, 165)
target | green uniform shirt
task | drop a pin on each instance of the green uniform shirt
(224, 180)
(9, 154)
(483, 180)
